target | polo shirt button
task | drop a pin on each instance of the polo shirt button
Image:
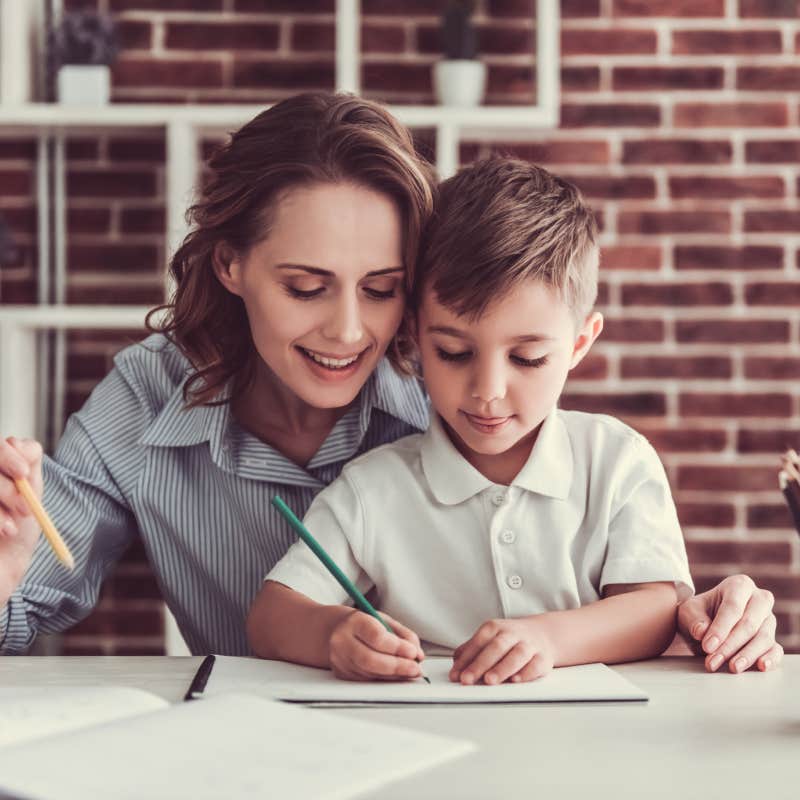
(514, 581)
(507, 537)
(499, 499)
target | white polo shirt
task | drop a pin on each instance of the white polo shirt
(447, 549)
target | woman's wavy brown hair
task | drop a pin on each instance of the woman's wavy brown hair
(309, 138)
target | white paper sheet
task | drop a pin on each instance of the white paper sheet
(30, 713)
(277, 679)
(232, 746)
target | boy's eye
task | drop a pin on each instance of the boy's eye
(377, 294)
(529, 362)
(446, 355)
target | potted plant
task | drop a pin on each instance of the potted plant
(83, 46)
(459, 79)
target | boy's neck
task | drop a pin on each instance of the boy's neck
(500, 468)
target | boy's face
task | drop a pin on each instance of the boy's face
(493, 380)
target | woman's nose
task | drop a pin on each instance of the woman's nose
(344, 324)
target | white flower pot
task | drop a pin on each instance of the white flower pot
(84, 85)
(460, 82)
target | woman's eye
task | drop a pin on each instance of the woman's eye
(529, 362)
(446, 355)
(304, 294)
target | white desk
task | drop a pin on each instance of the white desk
(700, 736)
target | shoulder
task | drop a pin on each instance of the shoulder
(385, 464)
(600, 430)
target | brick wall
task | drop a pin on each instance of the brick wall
(681, 123)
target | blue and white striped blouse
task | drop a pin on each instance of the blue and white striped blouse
(194, 485)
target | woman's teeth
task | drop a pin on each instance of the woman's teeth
(331, 363)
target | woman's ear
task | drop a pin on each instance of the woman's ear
(227, 267)
(589, 331)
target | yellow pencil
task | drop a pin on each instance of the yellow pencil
(51, 534)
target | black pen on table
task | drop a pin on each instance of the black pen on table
(305, 534)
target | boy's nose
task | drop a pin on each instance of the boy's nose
(489, 384)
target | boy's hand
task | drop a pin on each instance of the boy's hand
(732, 622)
(19, 531)
(501, 650)
(360, 649)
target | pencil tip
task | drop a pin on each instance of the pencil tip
(426, 679)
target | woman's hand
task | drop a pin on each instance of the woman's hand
(19, 531)
(362, 649)
(733, 623)
(501, 650)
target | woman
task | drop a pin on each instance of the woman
(274, 366)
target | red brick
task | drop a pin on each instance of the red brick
(134, 586)
(219, 35)
(509, 80)
(770, 79)
(631, 404)
(134, 34)
(572, 8)
(784, 587)
(686, 440)
(612, 188)
(763, 516)
(16, 292)
(313, 36)
(165, 5)
(677, 294)
(728, 258)
(706, 515)
(88, 220)
(145, 294)
(677, 151)
(659, 222)
(558, 152)
(719, 404)
(772, 440)
(112, 258)
(669, 8)
(86, 366)
(683, 367)
(639, 79)
(724, 331)
(111, 183)
(785, 151)
(83, 149)
(143, 220)
(525, 8)
(772, 368)
(593, 367)
(773, 294)
(786, 9)
(284, 75)
(18, 149)
(139, 622)
(593, 41)
(492, 39)
(124, 648)
(393, 76)
(139, 149)
(726, 478)
(776, 220)
(708, 187)
(580, 79)
(717, 552)
(609, 115)
(730, 115)
(633, 330)
(21, 220)
(291, 6)
(405, 8)
(382, 39)
(15, 182)
(702, 42)
(636, 257)
(188, 73)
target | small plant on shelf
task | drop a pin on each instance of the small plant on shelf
(459, 78)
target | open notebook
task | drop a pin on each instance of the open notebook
(79, 743)
(277, 679)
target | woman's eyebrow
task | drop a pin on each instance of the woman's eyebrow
(326, 273)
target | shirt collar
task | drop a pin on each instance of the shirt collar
(453, 480)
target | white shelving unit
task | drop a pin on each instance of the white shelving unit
(184, 126)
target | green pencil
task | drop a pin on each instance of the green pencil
(305, 534)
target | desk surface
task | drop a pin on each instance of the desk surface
(700, 735)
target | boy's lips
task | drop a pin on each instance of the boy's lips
(486, 424)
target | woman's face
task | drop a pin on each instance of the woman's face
(324, 292)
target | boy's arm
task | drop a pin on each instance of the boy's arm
(633, 621)
(286, 625)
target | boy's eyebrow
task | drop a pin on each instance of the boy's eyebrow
(326, 273)
(526, 337)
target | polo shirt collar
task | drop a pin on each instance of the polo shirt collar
(453, 480)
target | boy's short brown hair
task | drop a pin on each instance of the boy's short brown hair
(500, 221)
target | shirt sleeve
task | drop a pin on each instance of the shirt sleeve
(336, 520)
(84, 496)
(645, 543)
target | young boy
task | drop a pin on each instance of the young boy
(520, 536)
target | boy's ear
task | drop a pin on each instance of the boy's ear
(227, 267)
(589, 331)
